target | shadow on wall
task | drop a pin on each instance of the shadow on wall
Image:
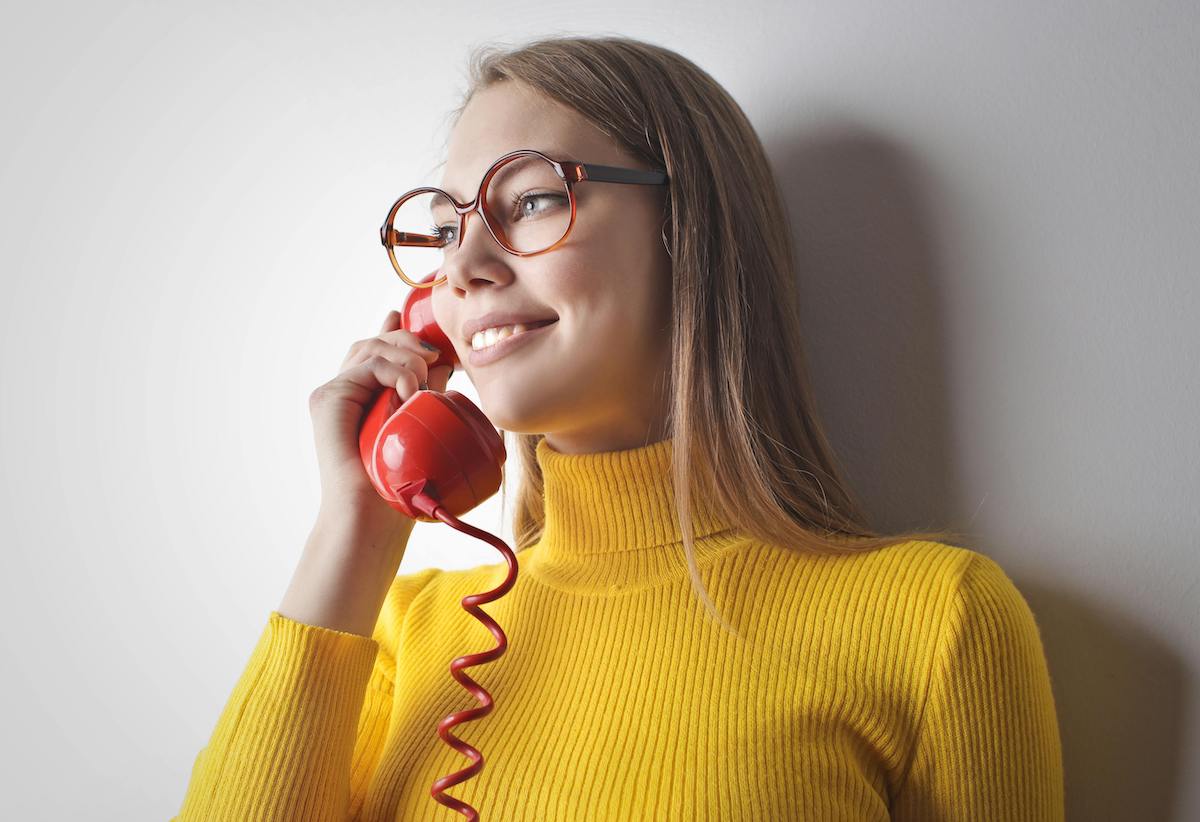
(872, 286)
(871, 291)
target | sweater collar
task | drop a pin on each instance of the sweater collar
(611, 523)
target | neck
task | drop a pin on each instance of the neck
(611, 522)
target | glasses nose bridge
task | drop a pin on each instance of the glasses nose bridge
(465, 211)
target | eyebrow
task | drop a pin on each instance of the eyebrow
(554, 153)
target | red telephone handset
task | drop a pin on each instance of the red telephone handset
(435, 457)
(437, 443)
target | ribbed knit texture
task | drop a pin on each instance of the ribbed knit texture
(908, 683)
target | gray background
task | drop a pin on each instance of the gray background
(996, 206)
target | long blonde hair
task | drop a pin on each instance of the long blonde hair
(740, 409)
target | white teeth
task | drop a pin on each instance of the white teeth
(488, 338)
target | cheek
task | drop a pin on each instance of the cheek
(446, 321)
(607, 292)
(569, 279)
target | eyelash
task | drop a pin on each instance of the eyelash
(517, 198)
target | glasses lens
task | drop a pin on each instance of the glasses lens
(425, 224)
(528, 204)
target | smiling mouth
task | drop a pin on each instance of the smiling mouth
(514, 330)
(503, 346)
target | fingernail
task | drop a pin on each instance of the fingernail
(430, 346)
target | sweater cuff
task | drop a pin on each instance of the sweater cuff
(283, 744)
(299, 653)
(306, 686)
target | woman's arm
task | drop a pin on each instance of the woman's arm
(302, 732)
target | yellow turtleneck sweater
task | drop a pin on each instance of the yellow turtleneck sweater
(907, 684)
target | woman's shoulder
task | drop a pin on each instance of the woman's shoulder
(421, 599)
(915, 578)
(919, 586)
(397, 604)
(893, 609)
(905, 560)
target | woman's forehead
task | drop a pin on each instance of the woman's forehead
(500, 120)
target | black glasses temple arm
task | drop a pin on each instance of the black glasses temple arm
(614, 174)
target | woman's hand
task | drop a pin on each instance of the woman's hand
(396, 358)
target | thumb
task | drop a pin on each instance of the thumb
(439, 376)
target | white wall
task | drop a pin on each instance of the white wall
(997, 208)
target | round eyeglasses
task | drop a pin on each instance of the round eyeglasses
(526, 200)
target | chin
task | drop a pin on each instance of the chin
(511, 408)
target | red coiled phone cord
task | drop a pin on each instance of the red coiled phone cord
(432, 508)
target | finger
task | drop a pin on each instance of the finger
(384, 372)
(401, 335)
(400, 354)
(391, 322)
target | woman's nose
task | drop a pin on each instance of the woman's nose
(475, 253)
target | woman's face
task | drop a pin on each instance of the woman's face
(596, 379)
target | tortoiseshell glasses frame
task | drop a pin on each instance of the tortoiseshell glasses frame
(570, 171)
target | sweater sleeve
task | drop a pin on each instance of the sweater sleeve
(303, 730)
(988, 743)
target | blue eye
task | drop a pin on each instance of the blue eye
(519, 199)
(440, 232)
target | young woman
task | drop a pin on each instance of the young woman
(704, 626)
